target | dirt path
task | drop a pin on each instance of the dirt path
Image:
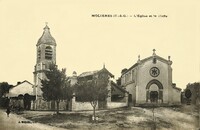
(12, 123)
(117, 119)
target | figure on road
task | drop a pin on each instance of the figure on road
(8, 111)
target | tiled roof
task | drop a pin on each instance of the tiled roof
(114, 85)
(88, 73)
(23, 82)
(21, 88)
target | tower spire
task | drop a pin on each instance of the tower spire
(46, 36)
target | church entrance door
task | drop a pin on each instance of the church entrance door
(154, 91)
(154, 96)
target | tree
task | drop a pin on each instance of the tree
(27, 101)
(4, 88)
(93, 90)
(193, 93)
(56, 86)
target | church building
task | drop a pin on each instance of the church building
(147, 82)
(150, 81)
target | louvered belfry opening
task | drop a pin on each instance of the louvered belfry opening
(48, 53)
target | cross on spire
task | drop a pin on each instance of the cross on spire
(46, 27)
(154, 51)
(169, 58)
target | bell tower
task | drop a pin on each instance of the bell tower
(45, 55)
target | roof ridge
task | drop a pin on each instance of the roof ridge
(22, 83)
(143, 60)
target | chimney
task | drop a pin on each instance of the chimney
(18, 82)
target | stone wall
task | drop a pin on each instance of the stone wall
(51, 105)
(79, 106)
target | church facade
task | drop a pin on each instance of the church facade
(150, 81)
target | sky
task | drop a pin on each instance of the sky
(85, 43)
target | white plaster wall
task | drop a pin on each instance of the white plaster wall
(176, 96)
(111, 105)
(73, 80)
(132, 90)
(144, 78)
(21, 89)
(77, 106)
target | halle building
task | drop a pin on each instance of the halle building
(150, 81)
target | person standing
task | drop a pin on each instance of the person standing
(8, 111)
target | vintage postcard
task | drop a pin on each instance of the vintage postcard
(98, 65)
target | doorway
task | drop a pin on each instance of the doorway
(130, 100)
(154, 91)
(154, 96)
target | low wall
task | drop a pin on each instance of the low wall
(44, 105)
(116, 104)
(78, 106)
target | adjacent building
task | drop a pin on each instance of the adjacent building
(21, 95)
(116, 95)
(150, 81)
(21, 88)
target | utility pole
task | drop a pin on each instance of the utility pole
(154, 118)
(154, 97)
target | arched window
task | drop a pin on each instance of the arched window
(48, 53)
(39, 53)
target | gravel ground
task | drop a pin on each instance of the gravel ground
(184, 118)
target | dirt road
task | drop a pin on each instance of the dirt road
(135, 118)
(12, 123)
